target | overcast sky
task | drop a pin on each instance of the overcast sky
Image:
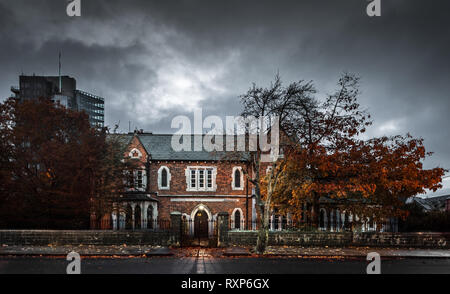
(153, 60)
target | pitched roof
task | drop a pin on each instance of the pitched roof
(159, 147)
(431, 203)
(123, 139)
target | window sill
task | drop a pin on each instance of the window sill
(237, 189)
(200, 190)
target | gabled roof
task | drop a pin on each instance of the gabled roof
(159, 147)
(123, 139)
(431, 203)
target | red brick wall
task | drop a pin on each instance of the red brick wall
(166, 206)
(178, 178)
(178, 189)
(135, 143)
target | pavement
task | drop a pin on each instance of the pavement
(234, 251)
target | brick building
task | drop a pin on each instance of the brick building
(199, 184)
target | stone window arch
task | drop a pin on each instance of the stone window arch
(164, 178)
(237, 178)
(135, 153)
(237, 219)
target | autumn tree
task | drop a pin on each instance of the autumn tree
(275, 103)
(327, 158)
(370, 179)
(52, 162)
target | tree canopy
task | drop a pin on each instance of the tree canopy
(53, 165)
(326, 157)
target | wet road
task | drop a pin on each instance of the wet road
(207, 264)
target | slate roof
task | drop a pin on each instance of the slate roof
(123, 139)
(431, 203)
(159, 146)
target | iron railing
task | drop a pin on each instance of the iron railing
(123, 224)
(208, 228)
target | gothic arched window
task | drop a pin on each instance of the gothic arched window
(237, 178)
(237, 220)
(164, 178)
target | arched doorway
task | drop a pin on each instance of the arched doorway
(201, 224)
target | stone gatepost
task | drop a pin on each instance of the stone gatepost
(175, 228)
(222, 229)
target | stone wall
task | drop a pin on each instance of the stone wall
(243, 238)
(91, 237)
(418, 240)
(292, 238)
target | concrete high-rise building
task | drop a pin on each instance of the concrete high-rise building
(93, 105)
(62, 89)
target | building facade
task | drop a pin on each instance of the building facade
(62, 90)
(198, 184)
(92, 104)
(201, 184)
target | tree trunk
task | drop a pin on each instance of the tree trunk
(263, 231)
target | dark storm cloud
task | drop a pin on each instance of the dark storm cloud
(153, 60)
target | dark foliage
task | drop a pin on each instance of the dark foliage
(421, 221)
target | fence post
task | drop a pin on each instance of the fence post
(175, 227)
(222, 229)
